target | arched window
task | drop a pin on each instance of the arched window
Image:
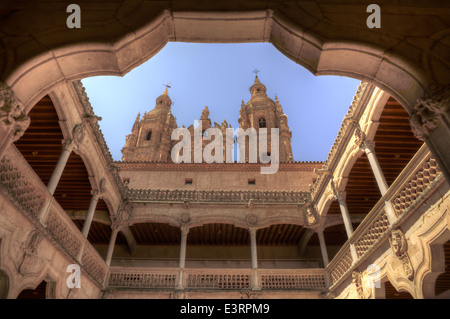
(262, 122)
(149, 136)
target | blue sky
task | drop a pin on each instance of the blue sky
(219, 76)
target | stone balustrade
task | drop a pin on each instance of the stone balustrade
(29, 194)
(218, 196)
(417, 181)
(210, 278)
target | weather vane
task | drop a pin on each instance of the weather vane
(167, 85)
(256, 71)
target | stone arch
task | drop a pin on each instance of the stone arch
(388, 291)
(435, 256)
(362, 61)
(401, 286)
(38, 292)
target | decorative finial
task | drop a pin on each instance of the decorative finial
(167, 85)
(256, 71)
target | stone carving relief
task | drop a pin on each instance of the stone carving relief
(124, 215)
(29, 262)
(309, 214)
(363, 286)
(12, 117)
(429, 109)
(178, 294)
(399, 247)
(251, 220)
(185, 218)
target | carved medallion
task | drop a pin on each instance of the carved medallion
(251, 220)
(185, 218)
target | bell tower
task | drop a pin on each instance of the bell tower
(262, 112)
(150, 138)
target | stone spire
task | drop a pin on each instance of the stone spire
(257, 87)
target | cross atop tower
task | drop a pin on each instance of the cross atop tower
(167, 85)
(256, 71)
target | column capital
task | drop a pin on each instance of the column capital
(68, 145)
(98, 191)
(12, 116)
(359, 136)
(78, 134)
(367, 146)
(184, 230)
(427, 113)
(95, 193)
(340, 195)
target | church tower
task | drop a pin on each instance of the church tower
(150, 138)
(262, 112)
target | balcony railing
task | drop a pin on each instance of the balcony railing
(417, 181)
(24, 188)
(223, 279)
(218, 196)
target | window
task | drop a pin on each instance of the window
(262, 122)
(251, 181)
(188, 181)
(149, 136)
(126, 180)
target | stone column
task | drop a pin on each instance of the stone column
(369, 148)
(68, 147)
(340, 195)
(323, 248)
(90, 215)
(182, 261)
(112, 243)
(252, 231)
